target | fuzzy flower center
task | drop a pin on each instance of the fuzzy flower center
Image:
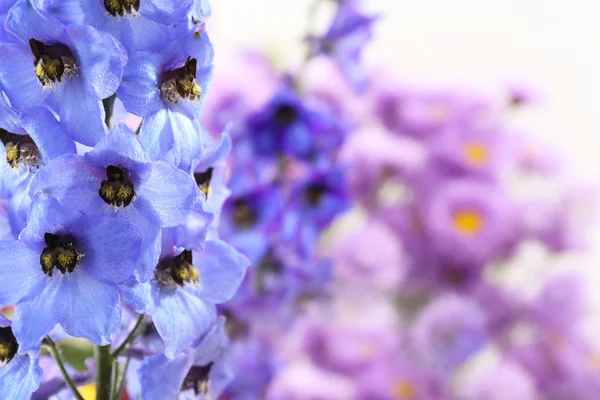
(476, 154)
(181, 83)
(203, 181)
(285, 114)
(121, 7)
(269, 266)
(60, 253)
(403, 390)
(20, 150)
(468, 222)
(177, 270)
(244, 216)
(8, 345)
(52, 62)
(197, 379)
(313, 194)
(117, 190)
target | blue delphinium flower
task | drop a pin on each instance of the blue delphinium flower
(20, 374)
(118, 175)
(69, 68)
(289, 125)
(184, 289)
(140, 25)
(64, 269)
(344, 41)
(168, 90)
(201, 373)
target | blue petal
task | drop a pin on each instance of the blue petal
(20, 270)
(72, 181)
(102, 59)
(141, 217)
(156, 134)
(81, 114)
(139, 89)
(20, 377)
(121, 147)
(137, 295)
(162, 378)
(90, 307)
(9, 119)
(181, 318)
(47, 133)
(44, 308)
(112, 247)
(186, 140)
(143, 34)
(213, 153)
(46, 215)
(18, 79)
(166, 11)
(170, 192)
(221, 269)
(25, 22)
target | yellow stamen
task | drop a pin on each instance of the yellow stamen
(476, 154)
(403, 390)
(468, 222)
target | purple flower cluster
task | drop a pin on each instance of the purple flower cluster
(109, 231)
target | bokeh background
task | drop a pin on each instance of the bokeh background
(550, 46)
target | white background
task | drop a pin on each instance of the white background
(553, 44)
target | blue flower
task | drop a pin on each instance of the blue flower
(140, 25)
(118, 176)
(20, 374)
(64, 269)
(201, 373)
(182, 294)
(344, 40)
(168, 90)
(289, 125)
(71, 69)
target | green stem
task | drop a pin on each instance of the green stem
(121, 382)
(49, 343)
(108, 104)
(103, 373)
(134, 332)
(115, 379)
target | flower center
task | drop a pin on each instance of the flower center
(476, 154)
(8, 345)
(60, 253)
(117, 189)
(269, 266)
(121, 7)
(403, 390)
(203, 180)
(285, 114)
(244, 216)
(20, 149)
(177, 270)
(468, 222)
(52, 62)
(314, 193)
(197, 379)
(181, 83)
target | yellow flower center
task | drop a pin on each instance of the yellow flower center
(468, 222)
(403, 390)
(476, 154)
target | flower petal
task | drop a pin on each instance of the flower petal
(221, 269)
(170, 192)
(20, 377)
(18, 79)
(180, 318)
(166, 11)
(139, 89)
(161, 378)
(137, 295)
(120, 147)
(155, 133)
(47, 133)
(20, 270)
(112, 247)
(46, 216)
(25, 22)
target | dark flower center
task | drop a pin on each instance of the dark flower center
(52, 62)
(121, 7)
(117, 189)
(60, 253)
(285, 114)
(269, 266)
(314, 193)
(20, 149)
(177, 270)
(244, 216)
(181, 83)
(197, 379)
(203, 180)
(8, 345)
